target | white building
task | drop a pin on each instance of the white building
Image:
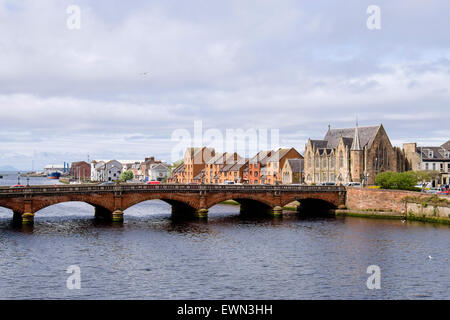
(158, 172)
(106, 170)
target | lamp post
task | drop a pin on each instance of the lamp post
(18, 178)
(28, 180)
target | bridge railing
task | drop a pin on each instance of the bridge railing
(88, 188)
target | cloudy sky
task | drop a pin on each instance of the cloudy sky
(136, 71)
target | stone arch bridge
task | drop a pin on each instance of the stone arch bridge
(110, 201)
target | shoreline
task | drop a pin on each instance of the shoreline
(388, 215)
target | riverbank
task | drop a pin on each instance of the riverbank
(373, 214)
(390, 215)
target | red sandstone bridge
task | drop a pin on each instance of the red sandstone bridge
(110, 201)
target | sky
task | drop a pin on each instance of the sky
(137, 71)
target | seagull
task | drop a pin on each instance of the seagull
(143, 73)
(403, 221)
(430, 257)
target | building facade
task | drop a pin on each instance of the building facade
(352, 155)
(255, 164)
(271, 174)
(293, 171)
(157, 172)
(430, 158)
(80, 170)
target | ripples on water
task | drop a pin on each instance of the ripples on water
(152, 256)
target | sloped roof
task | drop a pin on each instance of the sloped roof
(278, 155)
(261, 157)
(438, 153)
(297, 165)
(319, 143)
(217, 159)
(179, 168)
(446, 145)
(366, 135)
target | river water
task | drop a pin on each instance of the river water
(152, 256)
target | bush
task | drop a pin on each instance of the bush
(397, 180)
(126, 175)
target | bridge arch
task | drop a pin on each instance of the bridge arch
(250, 204)
(181, 204)
(313, 203)
(214, 199)
(40, 208)
(40, 204)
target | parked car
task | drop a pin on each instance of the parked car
(153, 182)
(434, 190)
(444, 192)
(17, 186)
(107, 183)
(353, 184)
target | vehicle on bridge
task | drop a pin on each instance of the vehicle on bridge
(17, 186)
(107, 183)
(153, 182)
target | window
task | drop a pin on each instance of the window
(341, 159)
(324, 162)
(434, 166)
(317, 163)
(332, 162)
(426, 166)
(309, 162)
(448, 167)
(256, 173)
(309, 176)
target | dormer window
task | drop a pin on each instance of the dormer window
(430, 154)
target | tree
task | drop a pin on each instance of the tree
(126, 175)
(423, 177)
(397, 180)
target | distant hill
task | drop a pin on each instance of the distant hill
(8, 168)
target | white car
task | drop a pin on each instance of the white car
(353, 184)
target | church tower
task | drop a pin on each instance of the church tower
(356, 158)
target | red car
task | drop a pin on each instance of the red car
(153, 182)
(17, 186)
(444, 192)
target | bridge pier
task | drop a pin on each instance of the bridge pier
(277, 211)
(202, 213)
(117, 216)
(23, 218)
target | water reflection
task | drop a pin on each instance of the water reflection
(153, 255)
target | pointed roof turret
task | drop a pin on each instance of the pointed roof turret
(356, 145)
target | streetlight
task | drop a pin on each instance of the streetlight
(28, 180)
(18, 178)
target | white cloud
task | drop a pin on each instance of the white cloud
(234, 64)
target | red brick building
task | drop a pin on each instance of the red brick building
(81, 170)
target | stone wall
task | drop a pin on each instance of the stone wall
(376, 199)
(392, 200)
(419, 209)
